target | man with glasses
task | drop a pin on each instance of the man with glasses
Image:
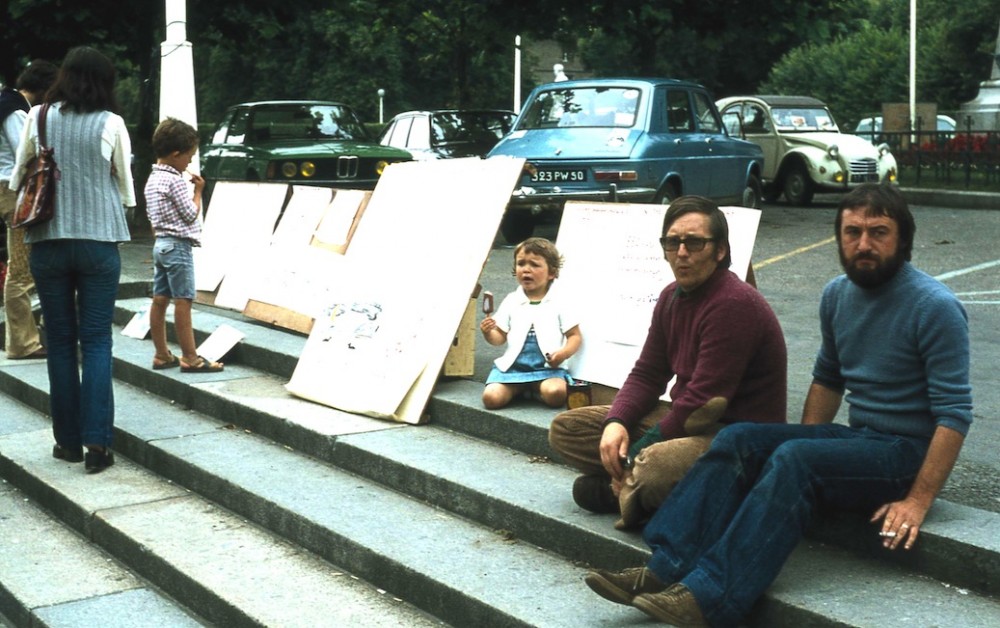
(721, 340)
(894, 337)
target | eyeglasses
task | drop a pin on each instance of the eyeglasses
(673, 244)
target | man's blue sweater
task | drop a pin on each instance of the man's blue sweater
(901, 351)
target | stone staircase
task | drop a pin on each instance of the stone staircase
(233, 503)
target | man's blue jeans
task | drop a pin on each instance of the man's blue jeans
(77, 283)
(728, 527)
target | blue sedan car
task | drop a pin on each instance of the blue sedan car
(626, 140)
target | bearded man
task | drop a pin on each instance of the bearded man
(897, 341)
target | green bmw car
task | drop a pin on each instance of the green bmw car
(304, 142)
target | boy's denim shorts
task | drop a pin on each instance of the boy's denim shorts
(173, 268)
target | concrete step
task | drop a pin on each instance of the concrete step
(228, 569)
(51, 576)
(463, 573)
(960, 545)
(483, 531)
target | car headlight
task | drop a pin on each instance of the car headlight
(833, 151)
(883, 149)
(307, 169)
(380, 166)
(289, 169)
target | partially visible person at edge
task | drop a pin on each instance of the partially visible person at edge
(22, 340)
(540, 327)
(720, 338)
(898, 341)
(74, 256)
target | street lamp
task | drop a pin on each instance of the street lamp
(517, 74)
(381, 98)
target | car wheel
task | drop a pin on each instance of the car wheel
(752, 193)
(517, 226)
(667, 194)
(798, 187)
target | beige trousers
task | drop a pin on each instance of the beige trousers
(21, 336)
(576, 436)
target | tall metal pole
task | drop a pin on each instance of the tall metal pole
(517, 74)
(913, 65)
(177, 97)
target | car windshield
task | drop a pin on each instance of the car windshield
(582, 107)
(803, 119)
(450, 127)
(306, 122)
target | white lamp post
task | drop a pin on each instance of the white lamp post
(517, 74)
(381, 99)
(913, 66)
(177, 99)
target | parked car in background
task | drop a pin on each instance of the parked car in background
(871, 128)
(305, 142)
(447, 133)
(804, 150)
(629, 140)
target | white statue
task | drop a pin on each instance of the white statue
(560, 75)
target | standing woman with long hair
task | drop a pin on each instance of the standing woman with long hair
(74, 256)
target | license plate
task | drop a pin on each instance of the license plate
(864, 178)
(559, 176)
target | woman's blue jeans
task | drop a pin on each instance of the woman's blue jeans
(728, 527)
(77, 283)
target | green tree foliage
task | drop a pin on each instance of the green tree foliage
(852, 85)
(441, 53)
(857, 73)
(727, 46)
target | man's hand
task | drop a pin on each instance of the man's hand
(901, 522)
(614, 447)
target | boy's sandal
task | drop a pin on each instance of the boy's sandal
(169, 363)
(201, 366)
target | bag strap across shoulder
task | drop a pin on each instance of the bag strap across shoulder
(41, 125)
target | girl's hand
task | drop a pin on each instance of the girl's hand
(488, 325)
(554, 359)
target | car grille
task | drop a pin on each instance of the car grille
(348, 167)
(864, 171)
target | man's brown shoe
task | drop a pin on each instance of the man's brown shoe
(675, 606)
(621, 587)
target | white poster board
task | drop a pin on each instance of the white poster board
(614, 263)
(412, 264)
(238, 227)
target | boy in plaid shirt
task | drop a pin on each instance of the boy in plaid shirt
(176, 219)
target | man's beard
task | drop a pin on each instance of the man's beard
(873, 277)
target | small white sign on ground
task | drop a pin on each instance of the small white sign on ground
(613, 262)
(138, 325)
(219, 342)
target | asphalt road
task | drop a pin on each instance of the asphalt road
(794, 257)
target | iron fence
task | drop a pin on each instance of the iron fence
(962, 158)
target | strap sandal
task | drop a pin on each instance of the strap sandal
(201, 366)
(169, 363)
